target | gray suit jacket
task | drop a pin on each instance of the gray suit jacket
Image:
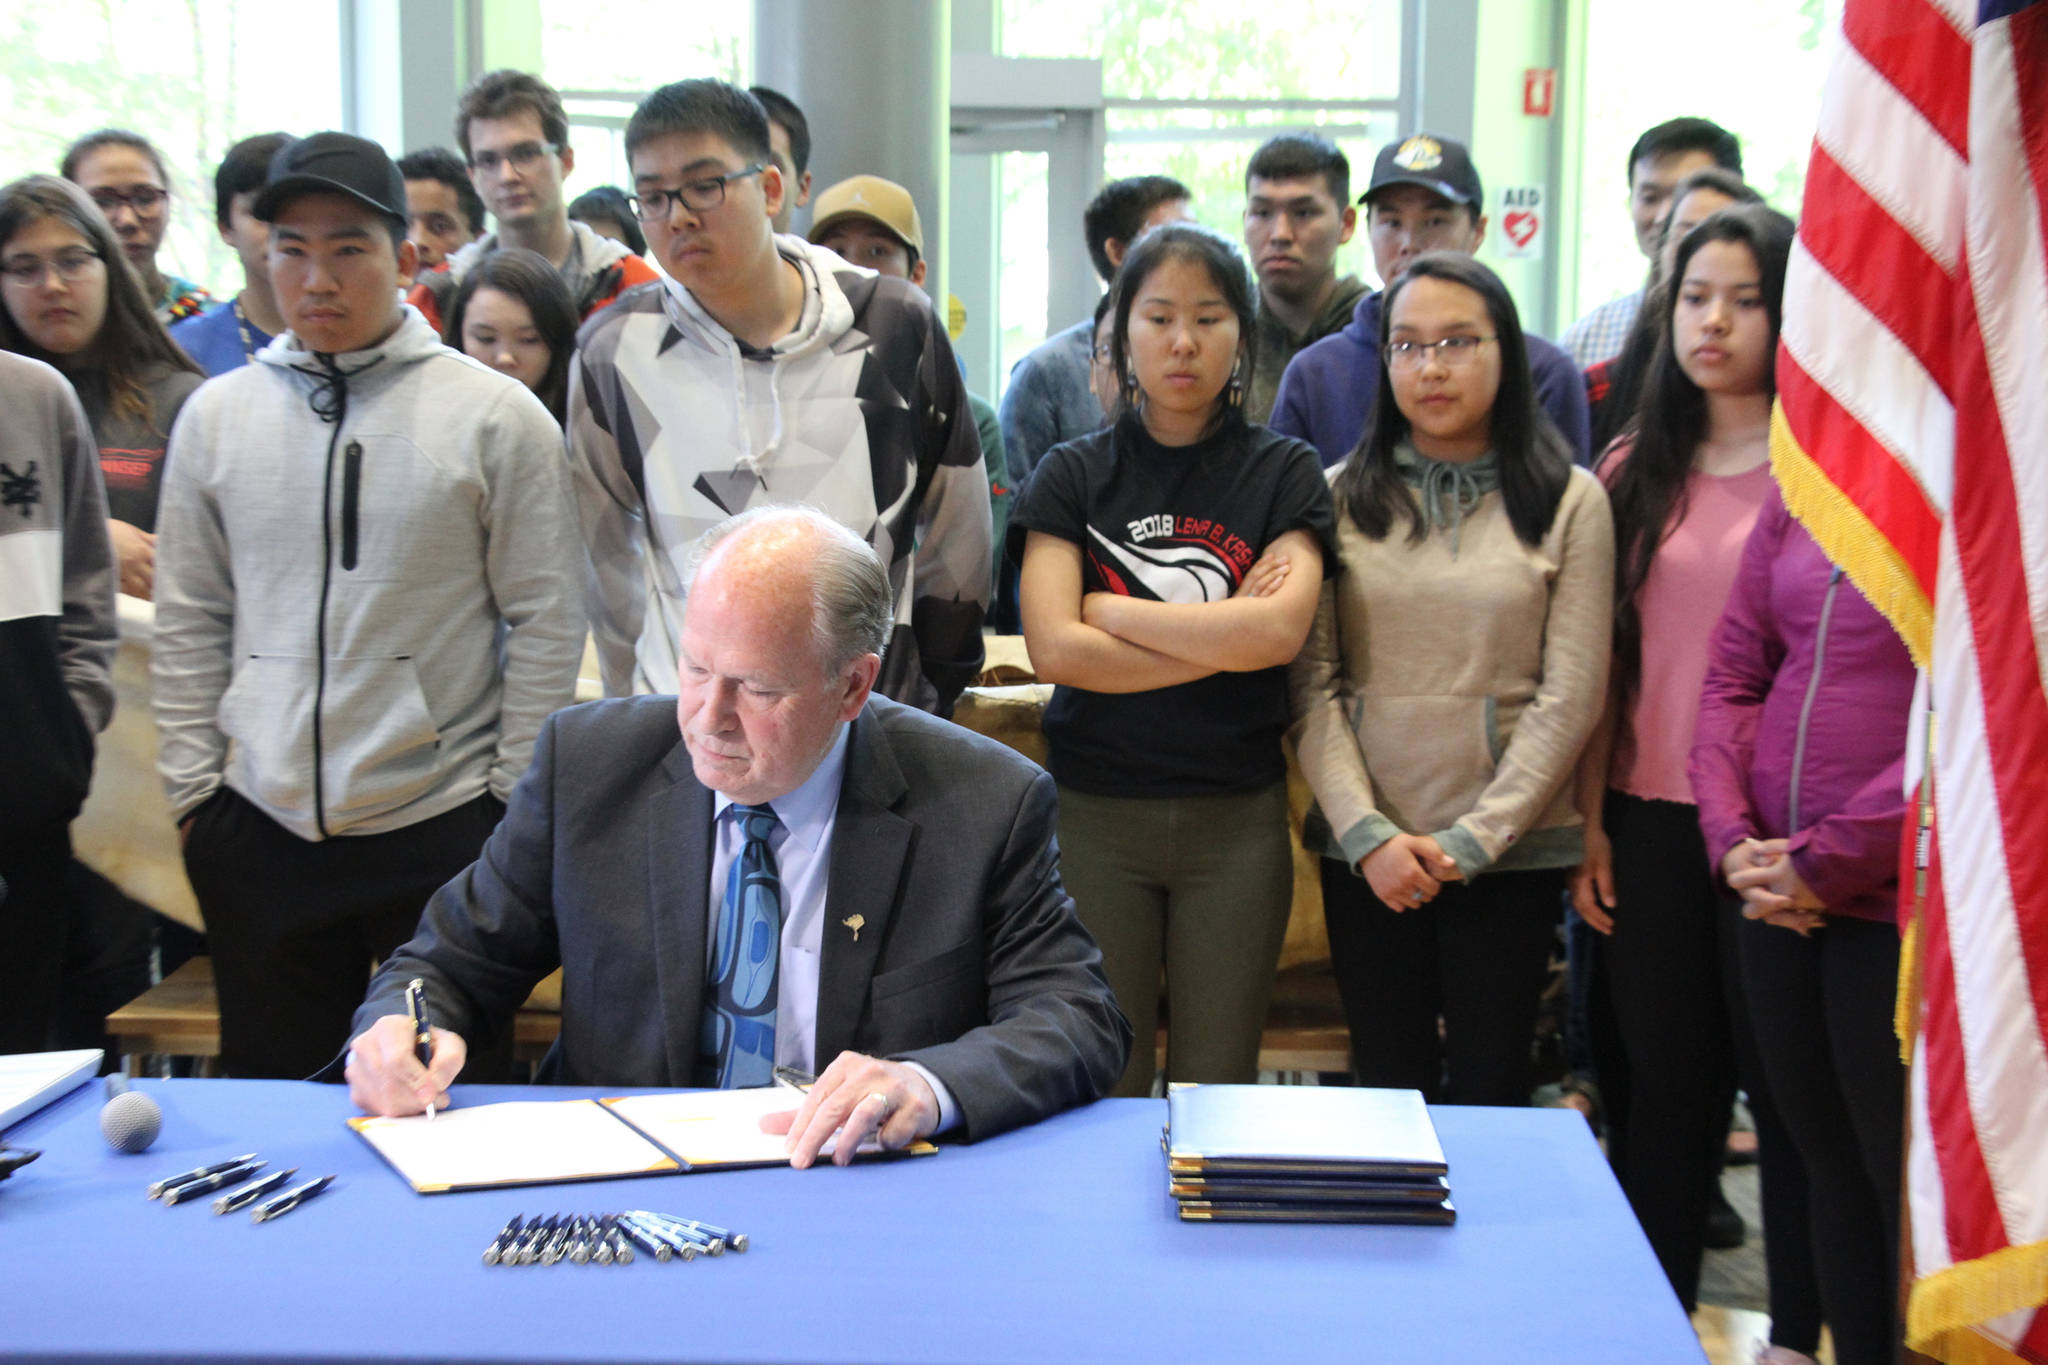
(969, 959)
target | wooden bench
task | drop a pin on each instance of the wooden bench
(180, 1017)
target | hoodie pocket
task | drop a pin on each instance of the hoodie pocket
(382, 747)
(379, 747)
(1429, 756)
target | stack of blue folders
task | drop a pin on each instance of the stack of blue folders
(1304, 1154)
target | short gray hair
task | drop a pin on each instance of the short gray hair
(852, 612)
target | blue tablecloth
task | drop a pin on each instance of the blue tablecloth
(1054, 1243)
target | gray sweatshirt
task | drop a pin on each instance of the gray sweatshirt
(362, 617)
(56, 601)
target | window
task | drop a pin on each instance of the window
(1191, 87)
(605, 66)
(193, 78)
(1754, 66)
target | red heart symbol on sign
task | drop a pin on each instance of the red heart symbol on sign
(1521, 226)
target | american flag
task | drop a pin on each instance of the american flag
(1912, 439)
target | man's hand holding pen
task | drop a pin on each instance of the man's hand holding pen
(384, 1073)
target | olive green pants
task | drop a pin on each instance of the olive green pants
(1199, 886)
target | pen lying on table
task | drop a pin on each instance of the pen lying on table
(290, 1199)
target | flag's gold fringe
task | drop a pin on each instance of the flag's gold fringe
(1945, 1308)
(1849, 538)
(1906, 1007)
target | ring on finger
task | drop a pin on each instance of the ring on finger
(881, 1097)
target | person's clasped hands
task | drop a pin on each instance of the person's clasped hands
(1761, 872)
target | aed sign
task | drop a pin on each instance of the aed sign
(1524, 222)
(1539, 89)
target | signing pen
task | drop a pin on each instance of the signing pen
(503, 1243)
(220, 1180)
(156, 1191)
(255, 1190)
(422, 1032)
(290, 1199)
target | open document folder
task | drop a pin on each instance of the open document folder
(550, 1141)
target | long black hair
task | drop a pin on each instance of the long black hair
(1535, 461)
(1648, 496)
(1625, 375)
(1218, 256)
(526, 276)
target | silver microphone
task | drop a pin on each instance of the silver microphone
(131, 1120)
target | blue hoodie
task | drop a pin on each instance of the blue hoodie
(1326, 395)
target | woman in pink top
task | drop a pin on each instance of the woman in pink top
(1686, 482)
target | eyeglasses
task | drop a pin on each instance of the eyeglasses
(71, 267)
(144, 199)
(698, 196)
(519, 158)
(1454, 353)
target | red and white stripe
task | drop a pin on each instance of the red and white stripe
(1977, 1168)
(1914, 374)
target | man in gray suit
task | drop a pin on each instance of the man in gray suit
(925, 946)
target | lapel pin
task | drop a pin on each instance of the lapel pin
(855, 923)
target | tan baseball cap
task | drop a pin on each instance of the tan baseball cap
(869, 196)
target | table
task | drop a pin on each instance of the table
(1056, 1242)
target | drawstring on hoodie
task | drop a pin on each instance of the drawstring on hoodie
(750, 459)
(328, 399)
(1450, 489)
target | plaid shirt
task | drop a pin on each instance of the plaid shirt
(1602, 333)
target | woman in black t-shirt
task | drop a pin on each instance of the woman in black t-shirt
(1171, 565)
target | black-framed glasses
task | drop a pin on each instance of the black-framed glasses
(1454, 352)
(699, 196)
(519, 158)
(28, 271)
(142, 198)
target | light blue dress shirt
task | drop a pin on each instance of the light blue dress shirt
(802, 845)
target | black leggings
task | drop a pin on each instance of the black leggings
(1662, 969)
(1821, 1009)
(1477, 955)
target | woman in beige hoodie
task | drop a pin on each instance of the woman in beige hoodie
(1454, 672)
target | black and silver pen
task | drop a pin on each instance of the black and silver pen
(156, 1190)
(207, 1184)
(253, 1191)
(290, 1199)
(526, 1250)
(503, 1242)
(422, 1031)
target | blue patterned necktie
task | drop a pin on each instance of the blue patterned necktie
(736, 1041)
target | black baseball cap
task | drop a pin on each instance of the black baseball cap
(333, 163)
(1437, 164)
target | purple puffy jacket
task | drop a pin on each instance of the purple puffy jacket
(1803, 720)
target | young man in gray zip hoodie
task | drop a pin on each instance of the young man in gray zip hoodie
(366, 606)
